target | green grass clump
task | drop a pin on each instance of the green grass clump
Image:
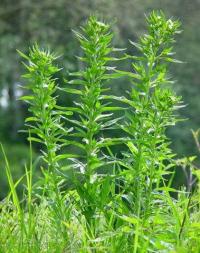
(91, 198)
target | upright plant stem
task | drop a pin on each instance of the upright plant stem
(94, 115)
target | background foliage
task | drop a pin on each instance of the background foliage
(23, 22)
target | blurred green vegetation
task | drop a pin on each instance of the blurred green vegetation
(50, 23)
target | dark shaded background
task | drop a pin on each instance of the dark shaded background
(49, 22)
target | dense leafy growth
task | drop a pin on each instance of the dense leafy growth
(93, 199)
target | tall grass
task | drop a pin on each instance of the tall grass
(116, 202)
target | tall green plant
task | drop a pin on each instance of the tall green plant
(45, 126)
(94, 115)
(44, 123)
(151, 110)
